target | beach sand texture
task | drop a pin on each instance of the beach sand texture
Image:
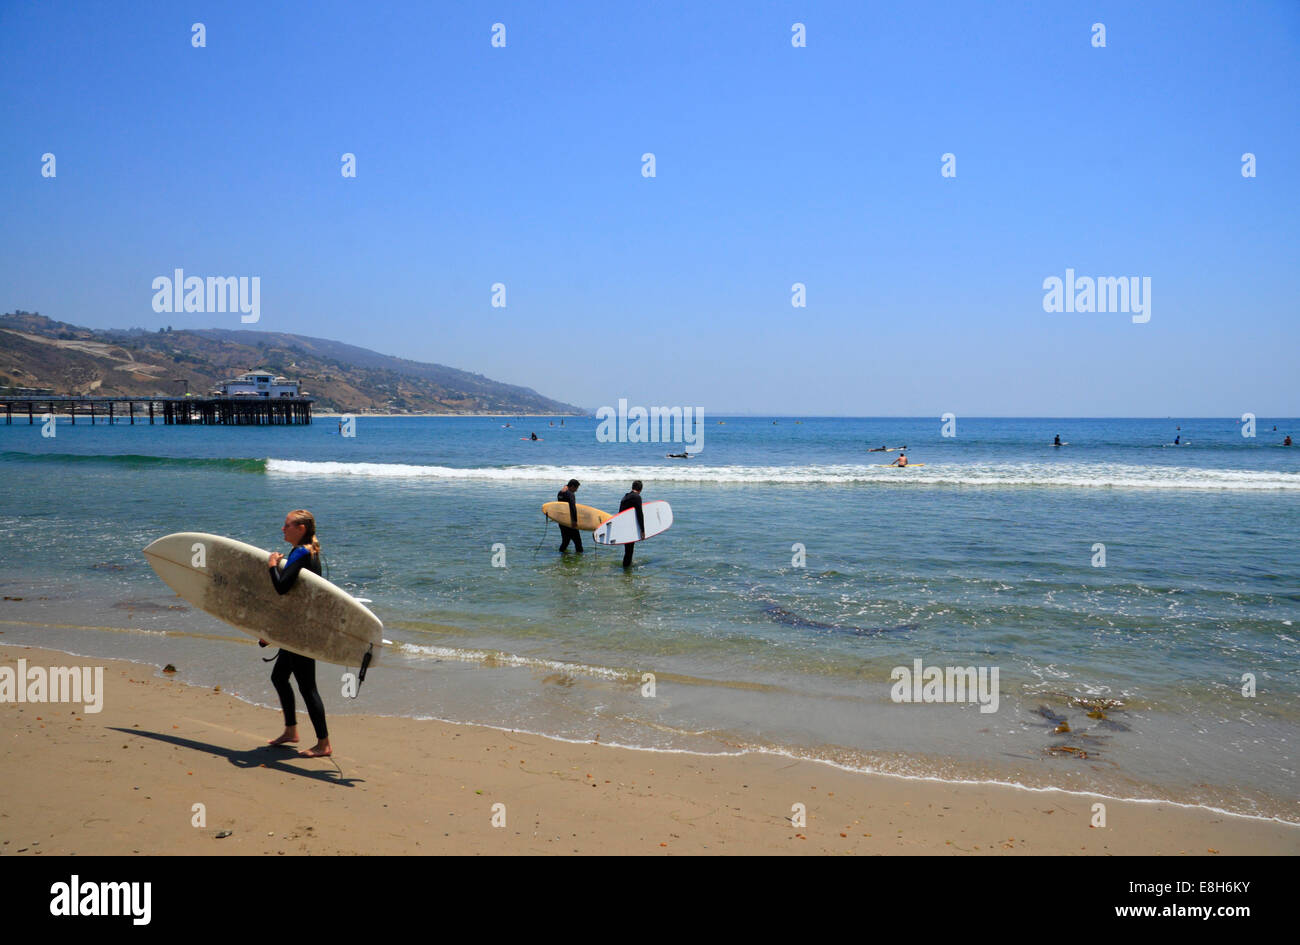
(125, 780)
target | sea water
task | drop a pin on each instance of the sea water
(799, 576)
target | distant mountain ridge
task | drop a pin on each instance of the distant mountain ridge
(36, 351)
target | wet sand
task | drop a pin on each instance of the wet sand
(126, 780)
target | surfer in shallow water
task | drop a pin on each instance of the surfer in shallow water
(633, 501)
(570, 533)
(299, 531)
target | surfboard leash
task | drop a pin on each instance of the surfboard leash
(546, 527)
(365, 664)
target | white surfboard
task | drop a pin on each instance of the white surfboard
(228, 579)
(622, 528)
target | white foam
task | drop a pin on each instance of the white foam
(498, 658)
(1069, 475)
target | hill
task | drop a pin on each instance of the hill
(36, 351)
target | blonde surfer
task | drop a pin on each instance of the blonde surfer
(299, 530)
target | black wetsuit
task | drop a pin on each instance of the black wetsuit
(632, 501)
(288, 664)
(567, 533)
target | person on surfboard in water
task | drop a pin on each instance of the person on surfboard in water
(299, 531)
(901, 461)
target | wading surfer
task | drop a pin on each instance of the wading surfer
(633, 501)
(567, 533)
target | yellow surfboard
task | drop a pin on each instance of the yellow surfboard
(589, 519)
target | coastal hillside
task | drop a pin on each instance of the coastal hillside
(39, 352)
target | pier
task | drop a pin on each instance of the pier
(224, 411)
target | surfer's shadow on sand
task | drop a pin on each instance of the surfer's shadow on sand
(264, 756)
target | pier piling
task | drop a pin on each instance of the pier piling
(218, 411)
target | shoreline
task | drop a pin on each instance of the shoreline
(433, 785)
(914, 753)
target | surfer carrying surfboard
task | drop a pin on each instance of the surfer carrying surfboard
(300, 531)
(633, 501)
(570, 533)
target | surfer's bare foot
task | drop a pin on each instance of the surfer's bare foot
(321, 749)
(290, 735)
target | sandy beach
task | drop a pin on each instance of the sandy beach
(126, 780)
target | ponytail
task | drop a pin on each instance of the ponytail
(302, 516)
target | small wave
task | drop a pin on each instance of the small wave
(498, 658)
(1038, 475)
(136, 460)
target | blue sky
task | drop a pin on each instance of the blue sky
(775, 165)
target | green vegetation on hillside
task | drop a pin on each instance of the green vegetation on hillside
(40, 352)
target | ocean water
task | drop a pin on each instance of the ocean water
(798, 575)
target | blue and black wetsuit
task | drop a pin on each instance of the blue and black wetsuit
(301, 668)
(632, 501)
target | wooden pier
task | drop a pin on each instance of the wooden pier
(225, 411)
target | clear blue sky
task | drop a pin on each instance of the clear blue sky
(775, 165)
